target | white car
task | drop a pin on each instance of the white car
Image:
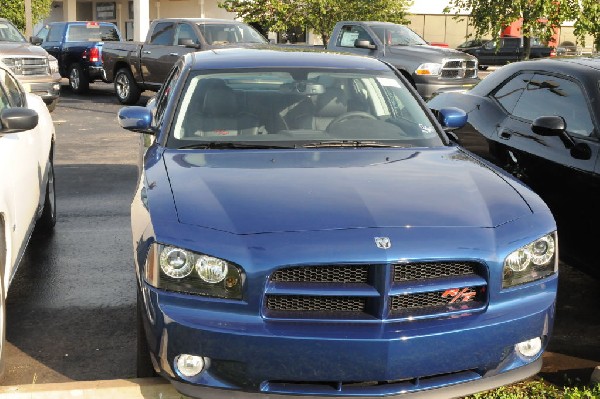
(27, 196)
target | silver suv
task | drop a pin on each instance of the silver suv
(34, 67)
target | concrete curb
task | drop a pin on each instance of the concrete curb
(141, 388)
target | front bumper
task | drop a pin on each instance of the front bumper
(48, 88)
(449, 357)
(429, 88)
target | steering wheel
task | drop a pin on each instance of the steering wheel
(351, 115)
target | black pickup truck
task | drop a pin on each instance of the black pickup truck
(508, 49)
(430, 69)
(78, 46)
(134, 67)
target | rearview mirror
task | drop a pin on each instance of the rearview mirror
(364, 44)
(15, 120)
(452, 118)
(35, 40)
(136, 119)
(549, 126)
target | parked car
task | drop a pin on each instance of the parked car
(508, 111)
(506, 50)
(34, 67)
(304, 226)
(78, 48)
(27, 184)
(135, 67)
(431, 69)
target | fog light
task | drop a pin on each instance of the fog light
(189, 365)
(529, 348)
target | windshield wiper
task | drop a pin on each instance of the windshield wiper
(217, 145)
(352, 144)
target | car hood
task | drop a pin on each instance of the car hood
(9, 49)
(433, 53)
(249, 191)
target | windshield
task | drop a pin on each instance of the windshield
(397, 35)
(9, 33)
(230, 33)
(92, 32)
(299, 107)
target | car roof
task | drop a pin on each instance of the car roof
(202, 20)
(275, 57)
(585, 69)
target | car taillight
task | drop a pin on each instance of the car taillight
(92, 54)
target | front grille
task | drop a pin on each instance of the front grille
(322, 274)
(438, 301)
(422, 271)
(315, 303)
(27, 66)
(459, 69)
(376, 291)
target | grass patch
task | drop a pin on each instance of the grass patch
(541, 389)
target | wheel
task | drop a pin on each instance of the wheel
(144, 366)
(77, 79)
(47, 220)
(52, 105)
(351, 115)
(128, 92)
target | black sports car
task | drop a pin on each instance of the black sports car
(539, 121)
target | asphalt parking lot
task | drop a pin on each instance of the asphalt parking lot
(71, 307)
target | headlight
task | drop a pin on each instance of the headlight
(429, 68)
(177, 269)
(52, 64)
(532, 262)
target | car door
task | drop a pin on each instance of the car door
(546, 160)
(52, 42)
(486, 54)
(348, 36)
(20, 169)
(157, 57)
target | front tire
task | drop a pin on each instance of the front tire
(128, 92)
(47, 220)
(77, 79)
(144, 366)
(52, 105)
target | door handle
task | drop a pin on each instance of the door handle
(147, 52)
(173, 53)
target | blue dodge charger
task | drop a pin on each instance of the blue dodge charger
(304, 226)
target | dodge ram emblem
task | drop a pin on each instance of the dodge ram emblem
(383, 242)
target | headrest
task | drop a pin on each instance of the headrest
(219, 99)
(332, 103)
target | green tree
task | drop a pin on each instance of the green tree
(540, 17)
(317, 15)
(588, 22)
(14, 10)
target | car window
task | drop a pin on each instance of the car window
(55, 33)
(4, 101)
(350, 33)
(552, 95)
(509, 93)
(230, 33)
(186, 32)
(300, 105)
(397, 35)
(92, 32)
(43, 33)
(163, 34)
(15, 94)
(8, 33)
(165, 94)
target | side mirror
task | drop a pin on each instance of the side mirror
(35, 40)
(15, 120)
(548, 126)
(452, 118)
(136, 119)
(187, 43)
(365, 44)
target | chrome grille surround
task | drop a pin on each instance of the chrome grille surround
(28, 66)
(459, 69)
